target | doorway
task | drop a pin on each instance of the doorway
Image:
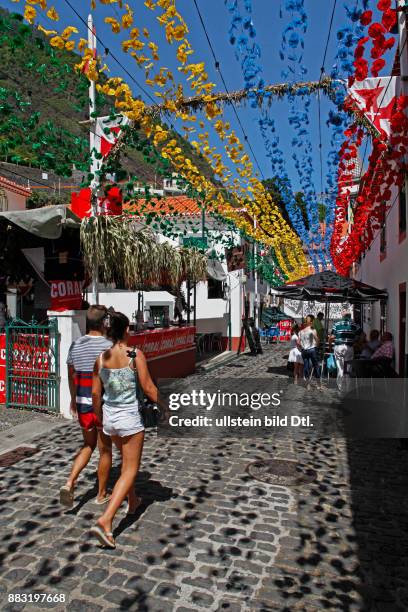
(402, 329)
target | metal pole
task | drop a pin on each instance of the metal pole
(188, 302)
(256, 309)
(195, 305)
(94, 162)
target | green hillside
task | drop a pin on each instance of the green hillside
(42, 102)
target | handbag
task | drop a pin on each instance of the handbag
(148, 410)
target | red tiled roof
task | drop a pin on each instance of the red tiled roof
(168, 205)
(12, 186)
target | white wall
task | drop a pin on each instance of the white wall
(126, 301)
(387, 274)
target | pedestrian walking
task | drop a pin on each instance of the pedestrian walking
(309, 342)
(81, 359)
(344, 334)
(117, 377)
(295, 354)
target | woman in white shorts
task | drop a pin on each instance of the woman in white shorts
(115, 385)
(295, 354)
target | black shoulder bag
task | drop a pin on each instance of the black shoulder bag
(149, 411)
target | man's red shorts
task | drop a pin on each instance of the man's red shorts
(89, 421)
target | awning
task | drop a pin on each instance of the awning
(45, 222)
(215, 269)
(329, 286)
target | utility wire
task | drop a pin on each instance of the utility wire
(112, 55)
(322, 71)
(218, 69)
(328, 36)
(26, 178)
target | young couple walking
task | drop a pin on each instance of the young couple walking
(104, 378)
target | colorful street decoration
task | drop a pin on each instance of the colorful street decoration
(368, 99)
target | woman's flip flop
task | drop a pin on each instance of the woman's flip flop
(66, 496)
(104, 500)
(103, 536)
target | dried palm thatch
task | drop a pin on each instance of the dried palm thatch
(124, 254)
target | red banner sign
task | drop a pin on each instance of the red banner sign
(66, 294)
(285, 330)
(30, 363)
(159, 342)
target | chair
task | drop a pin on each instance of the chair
(200, 338)
(216, 342)
(273, 333)
(263, 333)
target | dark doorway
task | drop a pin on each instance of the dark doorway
(402, 328)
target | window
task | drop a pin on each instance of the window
(157, 314)
(3, 200)
(402, 210)
(215, 289)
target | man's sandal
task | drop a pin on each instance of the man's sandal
(103, 536)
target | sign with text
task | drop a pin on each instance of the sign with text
(163, 341)
(66, 294)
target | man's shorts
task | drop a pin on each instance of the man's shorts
(89, 421)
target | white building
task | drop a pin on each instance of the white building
(385, 263)
(219, 301)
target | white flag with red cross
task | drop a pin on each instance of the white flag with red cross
(107, 132)
(377, 98)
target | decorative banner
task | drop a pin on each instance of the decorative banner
(107, 132)
(66, 295)
(110, 204)
(377, 99)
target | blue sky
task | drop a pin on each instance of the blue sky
(269, 28)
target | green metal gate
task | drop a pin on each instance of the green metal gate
(32, 365)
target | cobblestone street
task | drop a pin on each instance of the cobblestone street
(208, 535)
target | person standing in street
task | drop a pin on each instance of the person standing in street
(319, 327)
(309, 342)
(118, 377)
(344, 334)
(81, 360)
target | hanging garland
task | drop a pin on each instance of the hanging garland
(135, 110)
(242, 34)
(292, 48)
(347, 38)
(386, 168)
(386, 163)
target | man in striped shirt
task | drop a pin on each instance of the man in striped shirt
(344, 334)
(81, 360)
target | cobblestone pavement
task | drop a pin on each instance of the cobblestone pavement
(10, 417)
(209, 536)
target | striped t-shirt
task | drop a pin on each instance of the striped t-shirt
(82, 356)
(345, 331)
